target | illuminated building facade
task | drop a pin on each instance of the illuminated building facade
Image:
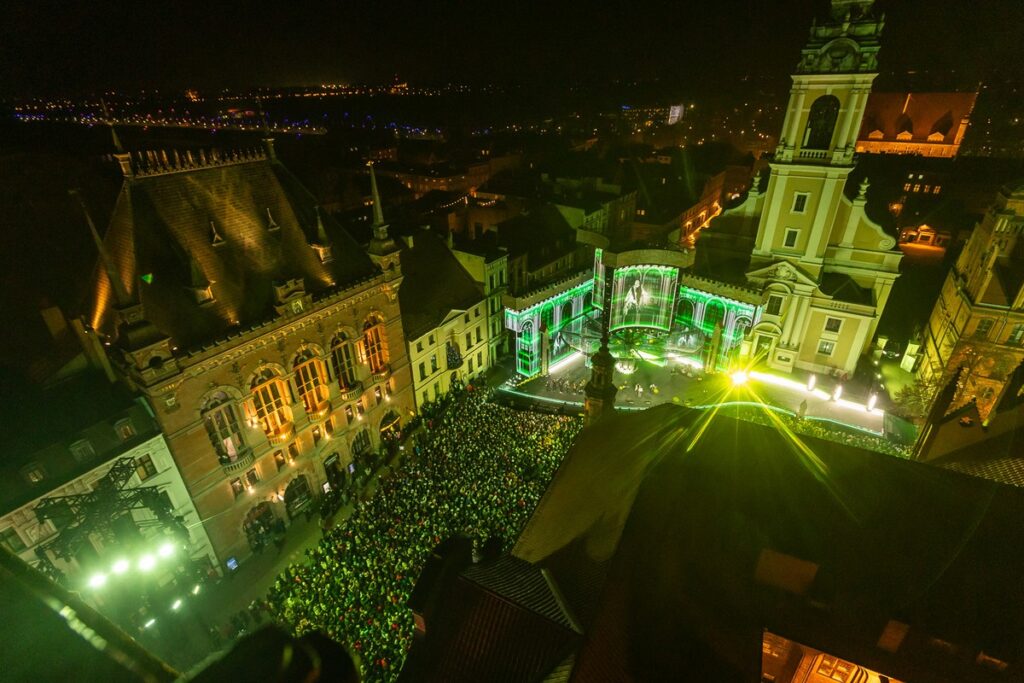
(446, 317)
(268, 342)
(923, 124)
(824, 267)
(99, 425)
(978, 321)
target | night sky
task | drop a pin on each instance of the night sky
(53, 47)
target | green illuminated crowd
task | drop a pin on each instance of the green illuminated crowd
(479, 470)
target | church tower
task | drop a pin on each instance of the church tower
(815, 151)
(824, 267)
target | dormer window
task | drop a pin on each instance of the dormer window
(125, 429)
(82, 450)
(203, 295)
(323, 252)
(33, 473)
(876, 135)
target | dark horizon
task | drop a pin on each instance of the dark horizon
(80, 47)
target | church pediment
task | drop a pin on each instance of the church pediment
(782, 271)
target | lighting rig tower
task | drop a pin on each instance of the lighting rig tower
(101, 513)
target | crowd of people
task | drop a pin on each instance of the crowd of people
(477, 469)
(825, 430)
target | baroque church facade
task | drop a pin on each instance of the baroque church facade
(801, 235)
(267, 342)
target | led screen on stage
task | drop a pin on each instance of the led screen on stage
(644, 296)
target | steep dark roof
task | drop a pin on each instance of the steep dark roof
(434, 284)
(683, 515)
(162, 221)
(542, 234)
(922, 114)
(494, 624)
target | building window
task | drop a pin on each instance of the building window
(465, 318)
(419, 347)
(835, 669)
(360, 408)
(236, 487)
(1016, 337)
(423, 371)
(280, 460)
(906, 187)
(125, 429)
(471, 366)
(82, 450)
(349, 415)
(774, 306)
(343, 362)
(251, 477)
(377, 394)
(433, 364)
(329, 426)
(268, 402)
(800, 202)
(10, 539)
(144, 467)
(317, 435)
(469, 340)
(476, 312)
(792, 235)
(430, 340)
(826, 347)
(833, 324)
(426, 398)
(983, 328)
(361, 444)
(222, 426)
(375, 344)
(309, 379)
(293, 451)
(935, 190)
(480, 359)
(33, 473)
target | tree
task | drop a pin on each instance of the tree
(915, 400)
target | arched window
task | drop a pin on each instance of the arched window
(361, 444)
(309, 378)
(375, 344)
(222, 426)
(269, 401)
(821, 122)
(343, 361)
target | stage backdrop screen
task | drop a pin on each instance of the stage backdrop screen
(644, 296)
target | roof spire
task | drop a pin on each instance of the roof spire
(113, 133)
(378, 210)
(120, 294)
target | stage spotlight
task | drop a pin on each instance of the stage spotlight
(837, 392)
(872, 400)
(149, 623)
(811, 381)
(97, 580)
(146, 563)
(176, 604)
(121, 566)
(195, 589)
(166, 550)
(739, 378)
